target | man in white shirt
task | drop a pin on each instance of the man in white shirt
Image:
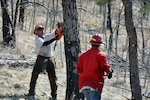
(44, 53)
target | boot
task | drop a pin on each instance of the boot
(53, 88)
(30, 94)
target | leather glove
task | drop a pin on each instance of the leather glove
(60, 27)
(58, 34)
(110, 75)
(59, 31)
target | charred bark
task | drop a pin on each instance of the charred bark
(133, 57)
(72, 47)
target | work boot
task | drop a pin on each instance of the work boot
(53, 98)
(53, 93)
(53, 88)
(30, 94)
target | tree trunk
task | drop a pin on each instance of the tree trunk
(47, 15)
(133, 58)
(109, 26)
(8, 38)
(21, 14)
(14, 23)
(72, 47)
(104, 25)
(5, 21)
(143, 44)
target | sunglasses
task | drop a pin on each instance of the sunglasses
(40, 28)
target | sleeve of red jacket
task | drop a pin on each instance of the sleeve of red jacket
(104, 63)
(79, 66)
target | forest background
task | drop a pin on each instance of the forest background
(16, 62)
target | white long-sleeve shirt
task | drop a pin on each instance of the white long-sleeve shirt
(45, 51)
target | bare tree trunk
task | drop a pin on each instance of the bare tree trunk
(109, 26)
(133, 57)
(14, 22)
(21, 13)
(8, 38)
(104, 25)
(5, 21)
(143, 40)
(55, 11)
(116, 42)
(33, 17)
(72, 47)
(12, 10)
(47, 15)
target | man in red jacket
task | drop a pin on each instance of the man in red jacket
(91, 67)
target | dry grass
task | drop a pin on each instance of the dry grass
(14, 84)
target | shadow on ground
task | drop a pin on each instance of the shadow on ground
(16, 97)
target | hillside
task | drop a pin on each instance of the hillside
(16, 63)
(16, 66)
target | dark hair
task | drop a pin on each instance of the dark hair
(95, 45)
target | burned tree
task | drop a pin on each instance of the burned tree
(72, 47)
(133, 57)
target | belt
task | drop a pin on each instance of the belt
(43, 58)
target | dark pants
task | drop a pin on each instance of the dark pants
(50, 68)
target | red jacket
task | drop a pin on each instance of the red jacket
(91, 66)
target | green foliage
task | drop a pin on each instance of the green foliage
(146, 8)
(102, 2)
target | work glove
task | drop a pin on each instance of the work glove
(110, 74)
(59, 31)
(58, 34)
